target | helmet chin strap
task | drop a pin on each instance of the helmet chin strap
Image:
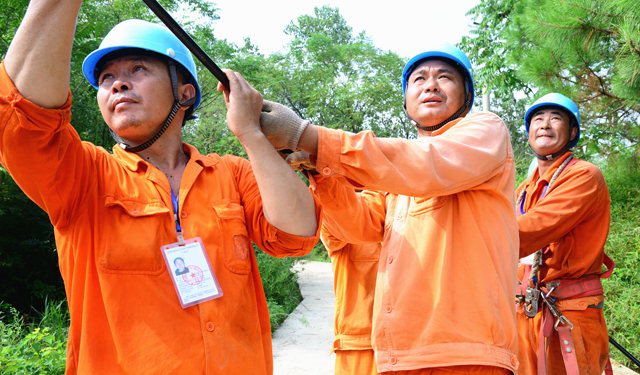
(177, 104)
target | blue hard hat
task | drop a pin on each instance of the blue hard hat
(442, 51)
(562, 102)
(146, 36)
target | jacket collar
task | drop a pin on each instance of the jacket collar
(448, 126)
(553, 168)
(134, 162)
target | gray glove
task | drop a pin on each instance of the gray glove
(282, 127)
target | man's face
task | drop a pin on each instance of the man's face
(549, 131)
(435, 91)
(134, 96)
(179, 263)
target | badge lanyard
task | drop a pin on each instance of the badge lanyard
(524, 197)
(189, 266)
(175, 199)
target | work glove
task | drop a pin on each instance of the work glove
(282, 127)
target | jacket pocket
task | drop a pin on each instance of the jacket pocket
(423, 205)
(236, 246)
(134, 229)
(365, 253)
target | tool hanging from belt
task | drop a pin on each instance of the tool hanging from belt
(543, 297)
(536, 297)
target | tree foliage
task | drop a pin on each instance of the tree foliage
(586, 49)
(326, 74)
(337, 79)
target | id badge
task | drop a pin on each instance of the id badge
(191, 272)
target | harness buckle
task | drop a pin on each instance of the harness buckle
(563, 319)
(560, 319)
(531, 302)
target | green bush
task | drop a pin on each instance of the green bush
(622, 290)
(34, 350)
(318, 254)
(280, 286)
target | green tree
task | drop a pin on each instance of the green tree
(586, 49)
(337, 79)
(209, 133)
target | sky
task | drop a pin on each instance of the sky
(401, 26)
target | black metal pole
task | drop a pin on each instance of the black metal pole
(620, 348)
(186, 39)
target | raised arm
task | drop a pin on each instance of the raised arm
(473, 153)
(39, 58)
(287, 202)
(469, 153)
(352, 217)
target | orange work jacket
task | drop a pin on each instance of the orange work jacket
(444, 213)
(572, 218)
(111, 214)
(355, 269)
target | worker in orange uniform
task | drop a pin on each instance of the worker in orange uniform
(355, 268)
(443, 209)
(122, 219)
(564, 214)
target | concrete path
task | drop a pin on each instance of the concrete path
(302, 343)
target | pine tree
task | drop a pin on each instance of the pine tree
(588, 50)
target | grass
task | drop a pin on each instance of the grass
(280, 285)
(34, 348)
(622, 290)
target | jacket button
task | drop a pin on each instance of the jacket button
(514, 361)
(326, 171)
(135, 212)
(210, 326)
(393, 360)
(184, 215)
(388, 309)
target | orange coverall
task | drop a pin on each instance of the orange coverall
(111, 213)
(444, 213)
(573, 219)
(355, 269)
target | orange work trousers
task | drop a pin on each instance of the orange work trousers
(590, 338)
(454, 370)
(355, 362)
